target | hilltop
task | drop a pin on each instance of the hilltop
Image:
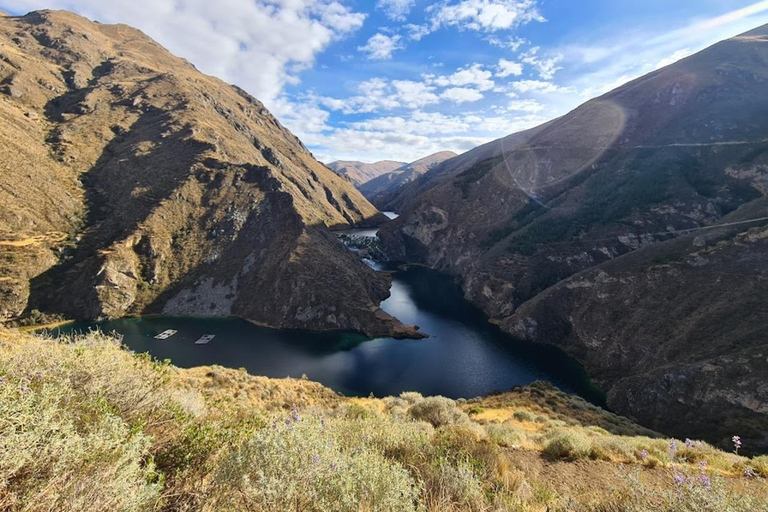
(360, 172)
(598, 232)
(131, 183)
(379, 190)
(89, 426)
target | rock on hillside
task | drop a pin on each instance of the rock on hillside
(681, 148)
(360, 172)
(133, 184)
(380, 190)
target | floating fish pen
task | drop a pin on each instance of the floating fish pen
(165, 334)
(205, 339)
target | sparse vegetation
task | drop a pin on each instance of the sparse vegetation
(86, 425)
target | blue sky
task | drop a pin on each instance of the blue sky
(400, 79)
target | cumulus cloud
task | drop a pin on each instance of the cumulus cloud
(508, 67)
(259, 44)
(539, 86)
(461, 95)
(485, 15)
(473, 75)
(381, 46)
(396, 10)
(531, 106)
(545, 66)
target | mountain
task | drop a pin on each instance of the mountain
(134, 184)
(597, 232)
(361, 172)
(379, 189)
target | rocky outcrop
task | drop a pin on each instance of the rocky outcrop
(545, 223)
(134, 184)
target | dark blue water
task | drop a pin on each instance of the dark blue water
(465, 356)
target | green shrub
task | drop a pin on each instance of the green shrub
(298, 465)
(523, 416)
(567, 444)
(52, 457)
(439, 411)
(505, 434)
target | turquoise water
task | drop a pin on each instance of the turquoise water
(464, 356)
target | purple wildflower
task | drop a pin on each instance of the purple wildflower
(316, 459)
(688, 443)
(679, 479)
(644, 454)
(699, 444)
(288, 422)
(749, 473)
(736, 443)
(295, 414)
(703, 464)
(672, 448)
(704, 479)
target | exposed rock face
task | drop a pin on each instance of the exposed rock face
(382, 189)
(131, 183)
(676, 344)
(361, 172)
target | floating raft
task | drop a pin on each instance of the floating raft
(165, 334)
(205, 339)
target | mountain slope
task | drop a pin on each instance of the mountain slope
(361, 172)
(379, 189)
(133, 184)
(678, 149)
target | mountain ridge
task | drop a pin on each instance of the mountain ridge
(162, 190)
(680, 148)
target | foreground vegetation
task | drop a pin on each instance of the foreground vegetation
(86, 425)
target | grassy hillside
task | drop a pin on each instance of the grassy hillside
(86, 425)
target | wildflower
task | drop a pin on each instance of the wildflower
(736, 444)
(749, 473)
(316, 459)
(679, 479)
(672, 448)
(295, 414)
(699, 444)
(644, 454)
(288, 422)
(703, 464)
(688, 443)
(705, 480)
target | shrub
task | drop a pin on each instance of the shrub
(297, 465)
(439, 411)
(411, 397)
(523, 416)
(567, 444)
(505, 434)
(52, 458)
(760, 466)
(451, 486)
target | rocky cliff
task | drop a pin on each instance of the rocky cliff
(131, 183)
(669, 326)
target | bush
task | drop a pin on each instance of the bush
(54, 457)
(439, 411)
(297, 465)
(567, 444)
(450, 486)
(505, 434)
(523, 416)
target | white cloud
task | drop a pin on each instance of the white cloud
(508, 67)
(416, 32)
(396, 10)
(381, 46)
(473, 75)
(225, 38)
(510, 43)
(461, 95)
(539, 86)
(678, 55)
(485, 15)
(531, 106)
(546, 66)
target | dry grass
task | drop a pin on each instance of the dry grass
(88, 426)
